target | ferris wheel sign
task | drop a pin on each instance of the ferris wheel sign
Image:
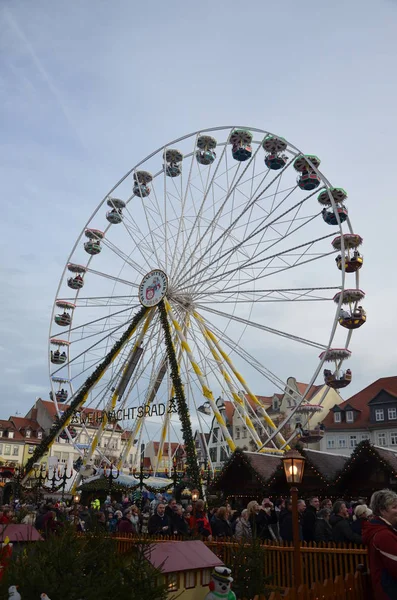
(153, 288)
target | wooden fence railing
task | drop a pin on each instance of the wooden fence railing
(351, 587)
(320, 562)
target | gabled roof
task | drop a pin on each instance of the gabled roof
(327, 465)
(9, 426)
(24, 423)
(386, 458)
(173, 557)
(360, 402)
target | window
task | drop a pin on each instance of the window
(342, 442)
(214, 454)
(15, 450)
(10, 434)
(275, 404)
(205, 576)
(349, 416)
(7, 449)
(379, 414)
(365, 436)
(393, 438)
(1, 448)
(392, 413)
(337, 417)
(39, 435)
(30, 450)
(215, 434)
(352, 441)
(224, 455)
(1, 433)
(28, 433)
(244, 433)
(237, 433)
(331, 443)
(172, 582)
(190, 579)
(381, 439)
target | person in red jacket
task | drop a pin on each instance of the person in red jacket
(380, 535)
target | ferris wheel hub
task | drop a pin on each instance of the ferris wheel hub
(153, 288)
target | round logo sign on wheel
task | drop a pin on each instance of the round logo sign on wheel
(153, 288)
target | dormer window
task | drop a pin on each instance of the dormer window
(39, 435)
(10, 434)
(1, 433)
(28, 433)
(392, 414)
(275, 403)
(349, 416)
(379, 414)
(337, 417)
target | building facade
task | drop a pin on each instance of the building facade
(371, 415)
(278, 407)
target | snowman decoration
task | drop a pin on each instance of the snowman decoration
(220, 585)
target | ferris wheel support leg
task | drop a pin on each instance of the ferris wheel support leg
(111, 404)
(166, 422)
(280, 439)
(192, 463)
(207, 393)
(82, 395)
(240, 404)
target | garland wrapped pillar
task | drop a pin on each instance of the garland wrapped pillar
(192, 467)
(81, 396)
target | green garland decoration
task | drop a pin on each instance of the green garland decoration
(192, 467)
(80, 397)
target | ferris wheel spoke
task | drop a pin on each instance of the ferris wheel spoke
(211, 228)
(112, 278)
(250, 323)
(127, 260)
(247, 207)
(266, 295)
(263, 227)
(259, 261)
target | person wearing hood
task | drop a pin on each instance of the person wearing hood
(341, 529)
(380, 535)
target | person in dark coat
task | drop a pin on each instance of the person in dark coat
(125, 525)
(159, 523)
(286, 530)
(265, 519)
(309, 519)
(171, 508)
(220, 526)
(322, 527)
(341, 529)
(179, 524)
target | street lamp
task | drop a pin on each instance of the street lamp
(76, 501)
(294, 464)
(110, 476)
(141, 476)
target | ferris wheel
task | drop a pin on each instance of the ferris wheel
(206, 274)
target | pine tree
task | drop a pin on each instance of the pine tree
(71, 567)
(248, 569)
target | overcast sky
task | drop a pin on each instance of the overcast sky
(89, 88)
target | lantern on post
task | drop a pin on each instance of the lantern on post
(294, 464)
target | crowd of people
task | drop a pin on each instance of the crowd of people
(319, 521)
